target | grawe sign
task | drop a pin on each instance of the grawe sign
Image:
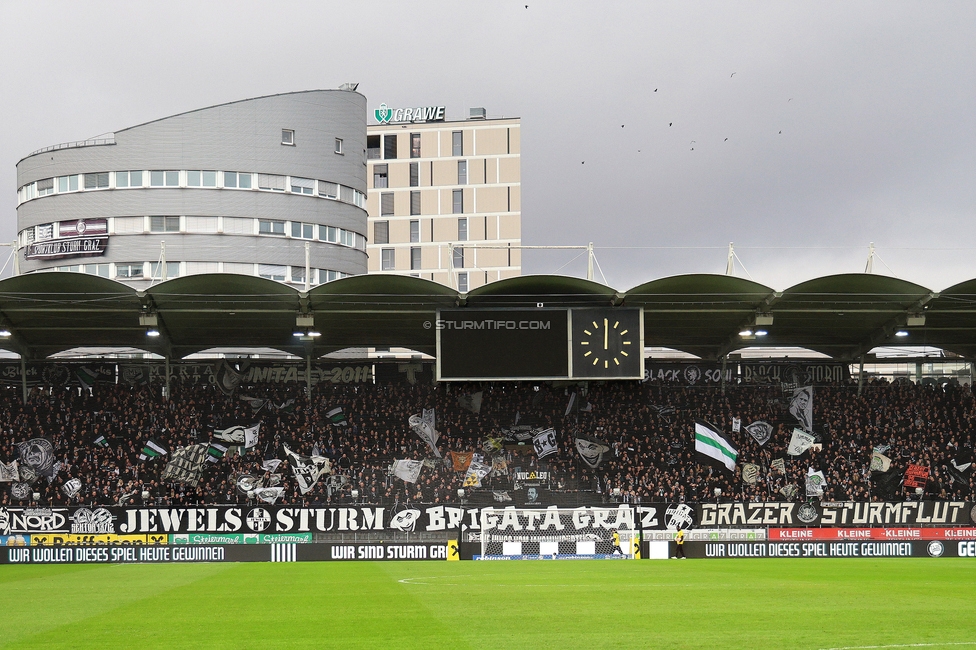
(386, 115)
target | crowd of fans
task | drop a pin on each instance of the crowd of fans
(647, 430)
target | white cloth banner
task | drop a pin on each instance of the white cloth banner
(8, 472)
(423, 426)
(545, 443)
(799, 443)
(307, 469)
(408, 470)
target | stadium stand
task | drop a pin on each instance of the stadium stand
(646, 430)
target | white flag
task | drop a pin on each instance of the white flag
(476, 472)
(408, 470)
(269, 494)
(471, 401)
(816, 482)
(880, 462)
(307, 469)
(423, 426)
(545, 443)
(271, 465)
(8, 472)
(71, 487)
(736, 425)
(799, 443)
(760, 431)
(251, 435)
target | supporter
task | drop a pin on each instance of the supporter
(644, 430)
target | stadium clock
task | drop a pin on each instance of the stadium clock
(607, 343)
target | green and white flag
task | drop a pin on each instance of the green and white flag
(337, 417)
(711, 442)
(100, 441)
(152, 449)
(216, 452)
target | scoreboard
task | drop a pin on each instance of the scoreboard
(486, 344)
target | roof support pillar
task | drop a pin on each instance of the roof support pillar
(168, 377)
(725, 360)
(23, 376)
(860, 375)
(308, 376)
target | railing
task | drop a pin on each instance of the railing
(94, 142)
(373, 153)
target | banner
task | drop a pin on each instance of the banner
(750, 473)
(407, 470)
(801, 407)
(307, 469)
(879, 462)
(865, 514)
(916, 476)
(57, 374)
(424, 426)
(246, 437)
(592, 451)
(687, 374)
(545, 443)
(760, 431)
(8, 472)
(471, 401)
(799, 442)
(815, 483)
(186, 464)
(476, 471)
(37, 454)
(899, 534)
(461, 460)
(841, 549)
(803, 373)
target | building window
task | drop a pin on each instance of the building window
(458, 202)
(414, 174)
(462, 172)
(380, 176)
(201, 179)
(415, 231)
(462, 282)
(458, 260)
(128, 179)
(164, 224)
(172, 270)
(45, 187)
(373, 147)
(97, 181)
(302, 230)
(381, 232)
(201, 224)
(457, 142)
(386, 203)
(97, 269)
(298, 274)
(390, 147)
(415, 145)
(237, 180)
(338, 145)
(415, 202)
(288, 137)
(388, 259)
(463, 229)
(70, 183)
(266, 227)
(160, 179)
(130, 270)
(273, 271)
(329, 234)
(328, 190)
(415, 258)
(271, 182)
(302, 185)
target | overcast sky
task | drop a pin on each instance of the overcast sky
(659, 131)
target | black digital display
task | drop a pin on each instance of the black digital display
(608, 343)
(502, 344)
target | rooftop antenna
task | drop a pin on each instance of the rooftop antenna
(869, 267)
(730, 264)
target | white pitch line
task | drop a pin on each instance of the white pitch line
(902, 645)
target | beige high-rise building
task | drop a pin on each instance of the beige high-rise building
(444, 197)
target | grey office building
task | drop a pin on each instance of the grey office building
(273, 186)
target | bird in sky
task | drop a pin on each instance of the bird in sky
(789, 100)
(655, 90)
(781, 133)
(726, 139)
(692, 148)
(670, 123)
(621, 126)
(731, 75)
(693, 141)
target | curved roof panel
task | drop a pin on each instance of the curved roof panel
(553, 290)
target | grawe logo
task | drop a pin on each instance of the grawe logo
(383, 114)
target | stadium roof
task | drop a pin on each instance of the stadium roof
(842, 316)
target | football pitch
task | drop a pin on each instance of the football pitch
(808, 603)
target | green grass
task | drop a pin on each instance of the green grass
(532, 604)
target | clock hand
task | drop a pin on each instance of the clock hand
(606, 333)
